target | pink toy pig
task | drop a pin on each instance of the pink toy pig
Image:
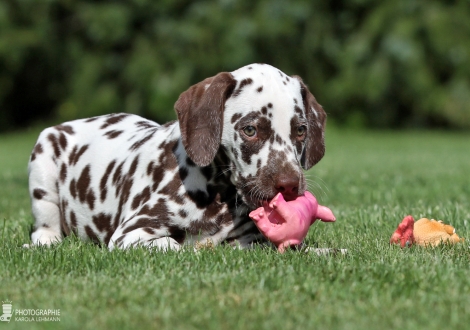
(287, 223)
(404, 233)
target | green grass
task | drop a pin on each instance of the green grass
(369, 179)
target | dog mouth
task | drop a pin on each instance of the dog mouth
(262, 201)
(256, 201)
(255, 196)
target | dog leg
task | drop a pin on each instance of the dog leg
(142, 237)
(44, 199)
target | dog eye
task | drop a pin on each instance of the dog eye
(249, 131)
(301, 130)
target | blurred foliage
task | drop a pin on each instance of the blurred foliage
(388, 63)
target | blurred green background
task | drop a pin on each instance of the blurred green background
(370, 63)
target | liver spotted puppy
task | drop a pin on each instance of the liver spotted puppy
(122, 180)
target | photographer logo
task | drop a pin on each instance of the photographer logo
(28, 315)
(6, 316)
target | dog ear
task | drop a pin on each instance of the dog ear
(200, 114)
(316, 119)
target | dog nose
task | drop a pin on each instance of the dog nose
(288, 186)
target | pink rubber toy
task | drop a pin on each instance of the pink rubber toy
(404, 233)
(287, 223)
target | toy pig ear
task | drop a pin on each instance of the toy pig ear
(200, 115)
(316, 120)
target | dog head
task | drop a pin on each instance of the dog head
(269, 125)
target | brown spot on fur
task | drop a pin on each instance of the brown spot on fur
(141, 223)
(37, 150)
(144, 124)
(73, 188)
(157, 211)
(149, 231)
(63, 221)
(124, 189)
(104, 180)
(117, 217)
(211, 220)
(103, 193)
(83, 183)
(80, 153)
(214, 208)
(172, 188)
(235, 117)
(149, 168)
(39, 193)
(76, 154)
(72, 155)
(113, 134)
(299, 112)
(141, 142)
(102, 222)
(243, 83)
(141, 198)
(113, 119)
(63, 173)
(117, 174)
(118, 242)
(196, 227)
(55, 144)
(90, 199)
(65, 128)
(134, 165)
(183, 213)
(73, 221)
(260, 89)
(62, 141)
(166, 163)
(167, 159)
(91, 234)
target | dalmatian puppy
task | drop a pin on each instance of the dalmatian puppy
(121, 180)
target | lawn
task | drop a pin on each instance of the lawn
(371, 180)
